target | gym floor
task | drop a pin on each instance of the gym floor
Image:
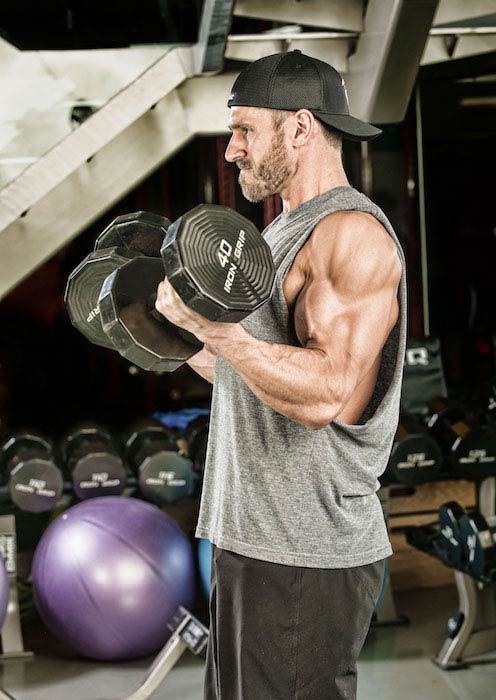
(395, 663)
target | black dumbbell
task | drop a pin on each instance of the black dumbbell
(479, 541)
(415, 457)
(470, 448)
(141, 232)
(34, 481)
(451, 547)
(215, 259)
(163, 474)
(91, 461)
(196, 436)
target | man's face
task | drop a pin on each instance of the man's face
(259, 151)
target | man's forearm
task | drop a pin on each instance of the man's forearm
(203, 363)
(289, 379)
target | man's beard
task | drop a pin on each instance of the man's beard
(269, 176)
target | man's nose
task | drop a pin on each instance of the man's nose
(234, 150)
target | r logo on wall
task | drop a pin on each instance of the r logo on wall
(423, 377)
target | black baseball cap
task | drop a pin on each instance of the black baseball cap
(292, 81)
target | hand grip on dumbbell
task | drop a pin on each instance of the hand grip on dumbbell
(215, 259)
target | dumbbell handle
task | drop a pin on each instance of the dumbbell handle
(189, 337)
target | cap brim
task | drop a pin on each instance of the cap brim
(351, 127)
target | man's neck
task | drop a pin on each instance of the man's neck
(310, 181)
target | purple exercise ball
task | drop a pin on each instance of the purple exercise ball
(4, 591)
(109, 574)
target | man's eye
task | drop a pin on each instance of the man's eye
(244, 130)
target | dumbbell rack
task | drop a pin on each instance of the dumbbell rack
(11, 634)
(476, 634)
(474, 631)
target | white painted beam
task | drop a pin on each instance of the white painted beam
(457, 10)
(196, 107)
(93, 135)
(383, 69)
(332, 47)
(329, 14)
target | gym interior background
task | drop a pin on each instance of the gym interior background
(98, 118)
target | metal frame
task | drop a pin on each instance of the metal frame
(477, 633)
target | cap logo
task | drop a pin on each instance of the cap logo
(231, 96)
(345, 91)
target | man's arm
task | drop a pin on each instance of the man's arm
(343, 316)
(204, 364)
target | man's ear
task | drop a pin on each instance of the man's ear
(304, 127)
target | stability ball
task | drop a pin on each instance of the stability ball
(109, 574)
(4, 591)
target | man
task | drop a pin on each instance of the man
(305, 401)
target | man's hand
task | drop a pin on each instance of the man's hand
(170, 305)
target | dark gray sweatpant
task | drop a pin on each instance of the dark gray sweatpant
(286, 633)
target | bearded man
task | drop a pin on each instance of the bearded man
(305, 401)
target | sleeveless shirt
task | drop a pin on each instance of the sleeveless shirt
(275, 490)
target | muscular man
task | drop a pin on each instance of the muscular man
(305, 401)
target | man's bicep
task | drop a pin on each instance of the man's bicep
(349, 320)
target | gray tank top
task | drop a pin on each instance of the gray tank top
(274, 490)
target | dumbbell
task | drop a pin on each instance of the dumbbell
(415, 457)
(34, 481)
(196, 435)
(164, 476)
(91, 461)
(140, 233)
(451, 547)
(215, 259)
(478, 537)
(470, 448)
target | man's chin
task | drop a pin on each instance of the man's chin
(250, 195)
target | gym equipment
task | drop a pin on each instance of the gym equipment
(164, 476)
(109, 574)
(415, 457)
(451, 546)
(83, 289)
(217, 262)
(423, 375)
(471, 449)
(28, 469)
(478, 537)
(472, 629)
(205, 564)
(92, 462)
(196, 435)
(4, 591)
(187, 633)
(140, 231)
(11, 631)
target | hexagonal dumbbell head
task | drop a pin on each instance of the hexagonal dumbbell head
(218, 263)
(140, 231)
(83, 289)
(129, 318)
